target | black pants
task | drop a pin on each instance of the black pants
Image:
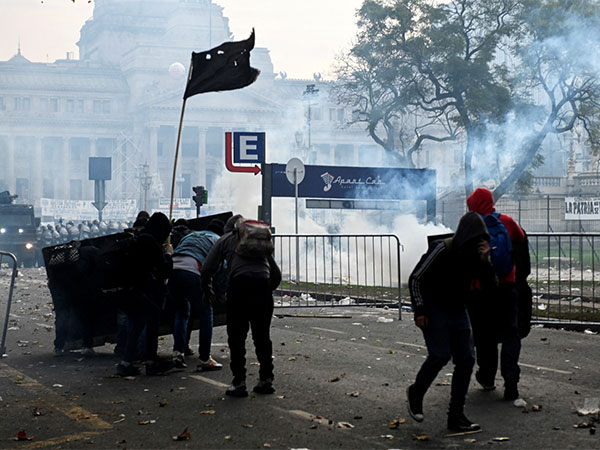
(495, 321)
(143, 314)
(447, 335)
(249, 306)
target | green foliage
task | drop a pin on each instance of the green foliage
(434, 71)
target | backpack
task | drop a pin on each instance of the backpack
(114, 263)
(500, 245)
(254, 239)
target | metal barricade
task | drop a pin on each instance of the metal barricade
(338, 270)
(8, 303)
(565, 276)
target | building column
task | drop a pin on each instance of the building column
(153, 160)
(62, 191)
(201, 160)
(93, 147)
(36, 172)
(10, 166)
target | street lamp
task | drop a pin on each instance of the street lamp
(309, 93)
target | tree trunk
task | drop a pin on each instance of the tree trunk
(529, 153)
(469, 161)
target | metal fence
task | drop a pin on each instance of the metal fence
(540, 214)
(338, 270)
(565, 276)
(11, 284)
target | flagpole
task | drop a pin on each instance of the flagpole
(177, 148)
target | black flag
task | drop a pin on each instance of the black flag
(223, 68)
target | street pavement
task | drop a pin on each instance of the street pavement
(341, 376)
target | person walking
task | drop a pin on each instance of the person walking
(186, 289)
(440, 284)
(249, 306)
(495, 319)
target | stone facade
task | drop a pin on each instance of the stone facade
(123, 97)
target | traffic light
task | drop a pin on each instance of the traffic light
(201, 195)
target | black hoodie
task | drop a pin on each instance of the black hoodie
(450, 269)
(151, 265)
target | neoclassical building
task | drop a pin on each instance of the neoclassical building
(123, 96)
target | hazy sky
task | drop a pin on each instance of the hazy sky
(303, 36)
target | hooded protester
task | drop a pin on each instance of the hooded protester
(440, 285)
(151, 267)
(495, 319)
(249, 306)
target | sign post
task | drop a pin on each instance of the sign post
(294, 172)
(99, 171)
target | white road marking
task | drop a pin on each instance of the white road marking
(327, 329)
(209, 381)
(565, 372)
(411, 345)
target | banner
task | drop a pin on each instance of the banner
(178, 203)
(578, 208)
(78, 210)
(178, 213)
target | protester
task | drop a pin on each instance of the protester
(495, 319)
(151, 266)
(186, 290)
(249, 305)
(439, 287)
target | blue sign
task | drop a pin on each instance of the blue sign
(357, 183)
(248, 148)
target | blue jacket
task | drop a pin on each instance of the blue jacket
(197, 244)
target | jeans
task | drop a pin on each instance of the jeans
(186, 290)
(495, 321)
(249, 306)
(447, 335)
(143, 316)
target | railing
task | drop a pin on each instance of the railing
(565, 276)
(9, 299)
(338, 270)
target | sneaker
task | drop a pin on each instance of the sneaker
(511, 392)
(209, 365)
(159, 366)
(127, 370)
(264, 387)
(88, 351)
(484, 384)
(179, 361)
(188, 351)
(59, 351)
(460, 423)
(237, 390)
(415, 404)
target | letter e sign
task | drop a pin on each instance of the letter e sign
(248, 148)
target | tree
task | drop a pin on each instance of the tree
(558, 55)
(434, 71)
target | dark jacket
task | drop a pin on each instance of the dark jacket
(450, 269)
(151, 266)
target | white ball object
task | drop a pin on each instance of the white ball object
(176, 69)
